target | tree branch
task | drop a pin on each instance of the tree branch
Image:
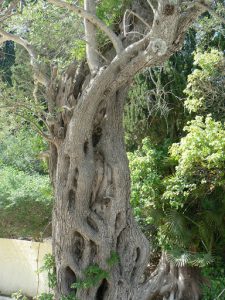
(90, 33)
(130, 12)
(117, 43)
(186, 19)
(211, 11)
(38, 74)
(151, 4)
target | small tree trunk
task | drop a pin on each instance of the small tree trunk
(170, 282)
(92, 215)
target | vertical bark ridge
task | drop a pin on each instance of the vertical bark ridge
(93, 210)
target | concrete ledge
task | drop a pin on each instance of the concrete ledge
(19, 262)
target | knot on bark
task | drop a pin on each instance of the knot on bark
(169, 9)
(158, 46)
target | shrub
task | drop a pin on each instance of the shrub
(25, 203)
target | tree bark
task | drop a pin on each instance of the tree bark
(92, 215)
(88, 165)
(89, 169)
(170, 282)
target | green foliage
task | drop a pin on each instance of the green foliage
(113, 259)
(44, 26)
(20, 149)
(154, 106)
(200, 156)
(146, 164)
(93, 275)
(136, 111)
(205, 89)
(26, 195)
(7, 59)
(210, 31)
(19, 296)
(72, 296)
(196, 188)
(111, 11)
(181, 209)
(181, 259)
(215, 276)
(23, 199)
(46, 296)
(49, 267)
(43, 296)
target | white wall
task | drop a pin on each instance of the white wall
(19, 261)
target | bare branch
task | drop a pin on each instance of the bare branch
(150, 2)
(90, 33)
(117, 43)
(130, 12)
(38, 75)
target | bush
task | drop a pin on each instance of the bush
(205, 89)
(148, 165)
(25, 203)
(183, 207)
(216, 275)
(20, 147)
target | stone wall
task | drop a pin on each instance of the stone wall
(19, 262)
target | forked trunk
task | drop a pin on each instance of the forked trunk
(92, 218)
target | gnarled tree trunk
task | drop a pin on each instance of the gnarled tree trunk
(92, 214)
(88, 165)
(89, 168)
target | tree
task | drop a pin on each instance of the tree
(92, 217)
